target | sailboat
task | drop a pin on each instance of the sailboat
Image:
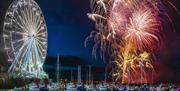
(103, 85)
(90, 86)
(71, 86)
(56, 85)
(79, 83)
(58, 69)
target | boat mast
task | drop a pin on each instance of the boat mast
(105, 75)
(92, 79)
(89, 74)
(58, 68)
(71, 75)
(87, 77)
(79, 74)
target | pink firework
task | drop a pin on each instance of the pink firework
(132, 30)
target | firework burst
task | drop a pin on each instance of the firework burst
(132, 31)
(142, 32)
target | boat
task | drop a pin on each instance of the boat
(102, 87)
(90, 87)
(33, 87)
(53, 87)
(71, 87)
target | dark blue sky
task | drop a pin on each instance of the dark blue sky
(68, 26)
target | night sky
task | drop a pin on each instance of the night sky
(68, 26)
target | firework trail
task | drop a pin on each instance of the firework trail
(131, 31)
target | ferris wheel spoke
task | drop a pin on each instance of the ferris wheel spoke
(27, 51)
(32, 48)
(28, 15)
(41, 38)
(17, 47)
(39, 21)
(25, 45)
(38, 52)
(22, 28)
(36, 21)
(39, 43)
(17, 41)
(22, 18)
(40, 49)
(41, 34)
(40, 26)
(25, 18)
(34, 17)
(13, 65)
(28, 45)
(40, 46)
(20, 33)
(40, 29)
(19, 28)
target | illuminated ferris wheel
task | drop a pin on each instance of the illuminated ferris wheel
(25, 38)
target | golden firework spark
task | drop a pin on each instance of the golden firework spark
(131, 31)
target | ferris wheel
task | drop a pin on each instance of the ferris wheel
(25, 38)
